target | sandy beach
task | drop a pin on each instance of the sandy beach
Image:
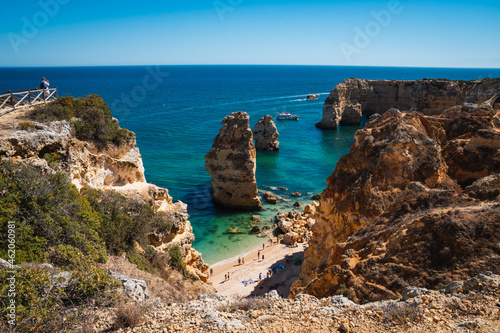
(273, 255)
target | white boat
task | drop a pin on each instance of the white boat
(287, 116)
(312, 96)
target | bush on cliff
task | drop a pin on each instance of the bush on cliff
(90, 119)
(122, 220)
(55, 223)
(44, 303)
(48, 211)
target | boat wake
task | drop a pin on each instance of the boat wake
(293, 98)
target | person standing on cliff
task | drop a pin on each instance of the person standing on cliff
(44, 84)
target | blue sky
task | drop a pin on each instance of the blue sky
(361, 33)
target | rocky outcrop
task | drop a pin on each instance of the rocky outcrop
(293, 227)
(470, 308)
(414, 202)
(52, 147)
(266, 134)
(354, 98)
(134, 289)
(232, 162)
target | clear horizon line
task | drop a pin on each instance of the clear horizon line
(284, 65)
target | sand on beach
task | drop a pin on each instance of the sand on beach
(280, 281)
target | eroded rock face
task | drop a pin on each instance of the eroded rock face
(395, 212)
(353, 98)
(232, 162)
(266, 134)
(122, 172)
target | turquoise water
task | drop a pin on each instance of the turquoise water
(177, 115)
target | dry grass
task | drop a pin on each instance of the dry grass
(87, 324)
(402, 313)
(246, 304)
(173, 287)
(128, 315)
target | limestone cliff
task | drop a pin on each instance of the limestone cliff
(266, 134)
(353, 98)
(120, 169)
(415, 202)
(232, 162)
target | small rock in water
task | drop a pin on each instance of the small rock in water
(317, 196)
(297, 204)
(271, 198)
(296, 194)
(256, 229)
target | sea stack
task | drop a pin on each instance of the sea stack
(232, 162)
(266, 134)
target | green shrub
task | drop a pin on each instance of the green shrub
(123, 220)
(161, 224)
(42, 304)
(59, 109)
(53, 159)
(66, 256)
(48, 211)
(344, 291)
(90, 282)
(176, 258)
(36, 301)
(140, 261)
(26, 125)
(91, 119)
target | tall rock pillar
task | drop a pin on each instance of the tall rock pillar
(266, 134)
(232, 162)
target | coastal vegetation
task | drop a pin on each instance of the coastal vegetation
(90, 119)
(57, 224)
(73, 232)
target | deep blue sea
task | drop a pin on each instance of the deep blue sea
(176, 112)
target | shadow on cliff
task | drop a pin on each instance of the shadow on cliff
(280, 281)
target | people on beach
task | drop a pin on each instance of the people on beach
(263, 246)
(239, 261)
(228, 276)
(243, 260)
(271, 242)
(44, 84)
(258, 255)
(211, 271)
(262, 257)
(225, 277)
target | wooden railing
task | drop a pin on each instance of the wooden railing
(12, 100)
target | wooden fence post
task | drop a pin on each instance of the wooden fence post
(29, 96)
(12, 99)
